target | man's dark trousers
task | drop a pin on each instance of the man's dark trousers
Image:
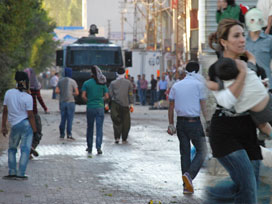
(121, 120)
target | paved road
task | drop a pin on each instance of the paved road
(147, 168)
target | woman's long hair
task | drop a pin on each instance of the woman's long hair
(222, 32)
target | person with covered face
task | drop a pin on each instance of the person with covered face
(18, 111)
(258, 42)
(95, 92)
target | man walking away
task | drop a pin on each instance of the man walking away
(187, 98)
(67, 88)
(18, 106)
(121, 94)
(95, 92)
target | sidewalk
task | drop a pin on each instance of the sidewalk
(147, 168)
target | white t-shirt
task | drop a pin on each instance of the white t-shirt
(54, 81)
(18, 104)
(253, 92)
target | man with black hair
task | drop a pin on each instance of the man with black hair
(18, 111)
(67, 88)
(121, 94)
(188, 98)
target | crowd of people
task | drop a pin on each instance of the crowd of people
(240, 80)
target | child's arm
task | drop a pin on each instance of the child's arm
(215, 86)
(212, 85)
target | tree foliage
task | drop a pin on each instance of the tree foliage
(65, 12)
(25, 39)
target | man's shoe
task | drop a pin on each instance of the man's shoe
(99, 151)
(124, 141)
(9, 177)
(185, 191)
(34, 152)
(70, 138)
(21, 178)
(188, 182)
(116, 141)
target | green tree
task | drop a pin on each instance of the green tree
(65, 12)
(22, 24)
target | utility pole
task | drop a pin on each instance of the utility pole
(109, 29)
(135, 25)
(155, 27)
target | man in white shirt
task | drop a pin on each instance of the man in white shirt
(54, 82)
(18, 111)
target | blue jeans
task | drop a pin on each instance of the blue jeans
(67, 110)
(95, 114)
(187, 132)
(153, 97)
(19, 132)
(245, 178)
(143, 96)
(54, 95)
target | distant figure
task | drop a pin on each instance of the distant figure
(18, 111)
(121, 95)
(54, 82)
(134, 88)
(67, 88)
(35, 88)
(143, 84)
(139, 88)
(95, 92)
(35, 93)
(162, 88)
(153, 83)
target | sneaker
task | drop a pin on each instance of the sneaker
(70, 138)
(21, 178)
(9, 177)
(99, 151)
(116, 141)
(185, 191)
(188, 182)
(124, 141)
(34, 152)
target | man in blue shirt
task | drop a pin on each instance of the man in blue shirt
(187, 97)
(162, 88)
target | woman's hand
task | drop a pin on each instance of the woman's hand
(251, 58)
(241, 65)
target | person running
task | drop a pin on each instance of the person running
(232, 135)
